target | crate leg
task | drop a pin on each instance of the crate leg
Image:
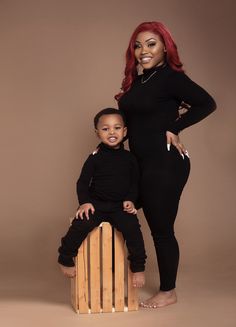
(106, 267)
(95, 271)
(119, 271)
(74, 289)
(82, 277)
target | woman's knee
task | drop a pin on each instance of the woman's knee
(165, 237)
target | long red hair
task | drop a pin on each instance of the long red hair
(172, 56)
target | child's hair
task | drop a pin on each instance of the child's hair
(108, 111)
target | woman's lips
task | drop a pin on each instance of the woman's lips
(145, 60)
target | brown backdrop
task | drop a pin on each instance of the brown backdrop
(61, 62)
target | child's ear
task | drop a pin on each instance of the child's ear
(125, 131)
(96, 132)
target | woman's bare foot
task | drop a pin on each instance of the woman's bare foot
(138, 279)
(68, 271)
(161, 299)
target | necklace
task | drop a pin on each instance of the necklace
(145, 80)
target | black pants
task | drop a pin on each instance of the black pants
(162, 181)
(124, 222)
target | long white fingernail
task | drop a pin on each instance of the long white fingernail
(182, 155)
(168, 146)
(187, 154)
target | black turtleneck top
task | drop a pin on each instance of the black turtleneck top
(151, 107)
(108, 175)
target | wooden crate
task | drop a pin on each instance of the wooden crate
(103, 281)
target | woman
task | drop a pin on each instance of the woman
(151, 103)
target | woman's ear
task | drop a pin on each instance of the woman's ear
(125, 131)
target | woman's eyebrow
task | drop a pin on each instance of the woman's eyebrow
(152, 38)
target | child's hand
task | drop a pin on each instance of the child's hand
(84, 209)
(129, 207)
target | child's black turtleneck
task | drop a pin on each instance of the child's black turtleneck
(108, 175)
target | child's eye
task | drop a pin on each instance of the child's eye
(117, 127)
(104, 129)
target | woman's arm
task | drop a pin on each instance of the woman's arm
(201, 104)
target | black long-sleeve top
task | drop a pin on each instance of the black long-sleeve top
(152, 107)
(108, 175)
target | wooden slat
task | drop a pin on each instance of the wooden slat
(119, 271)
(95, 271)
(106, 267)
(132, 293)
(82, 277)
(74, 289)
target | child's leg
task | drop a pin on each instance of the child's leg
(70, 243)
(129, 226)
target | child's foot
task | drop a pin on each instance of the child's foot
(68, 271)
(138, 279)
(161, 299)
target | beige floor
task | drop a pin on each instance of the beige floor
(204, 300)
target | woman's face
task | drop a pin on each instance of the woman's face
(149, 50)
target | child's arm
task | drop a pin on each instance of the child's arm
(129, 207)
(84, 181)
(84, 209)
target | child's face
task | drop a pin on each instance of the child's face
(111, 130)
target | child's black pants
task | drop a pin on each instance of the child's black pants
(124, 222)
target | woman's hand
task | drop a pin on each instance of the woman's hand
(129, 207)
(174, 140)
(84, 209)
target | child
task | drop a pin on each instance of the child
(107, 189)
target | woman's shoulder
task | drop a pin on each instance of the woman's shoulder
(173, 73)
(177, 78)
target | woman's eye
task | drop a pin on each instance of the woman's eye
(152, 44)
(105, 129)
(136, 46)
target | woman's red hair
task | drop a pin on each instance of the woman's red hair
(172, 56)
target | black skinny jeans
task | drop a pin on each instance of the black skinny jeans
(162, 181)
(124, 222)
